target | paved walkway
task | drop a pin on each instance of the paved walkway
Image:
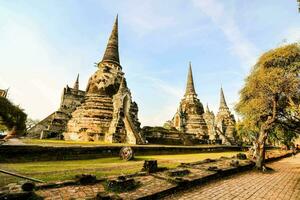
(14, 141)
(283, 183)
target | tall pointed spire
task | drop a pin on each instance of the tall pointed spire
(76, 84)
(112, 49)
(222, 100)
(190, 89)
(207, 108)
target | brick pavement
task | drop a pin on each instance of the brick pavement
(71, 192)
(283, 183)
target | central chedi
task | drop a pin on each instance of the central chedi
(107, 112)
(189, 116)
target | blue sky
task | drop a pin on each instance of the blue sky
(44, 44)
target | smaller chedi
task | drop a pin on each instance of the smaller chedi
(225, 122)
(221, 128)
(55, 124)
(189, 116)
(199, 126)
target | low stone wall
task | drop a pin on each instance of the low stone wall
(30, 153)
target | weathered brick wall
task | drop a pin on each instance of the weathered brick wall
(40, 153)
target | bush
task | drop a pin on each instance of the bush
(12, 116)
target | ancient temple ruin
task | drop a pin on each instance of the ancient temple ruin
(107, 112)
(55, 124)
(225, 122)
(189, 116)
(104, 112)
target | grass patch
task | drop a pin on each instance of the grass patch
(103, 167)
(54, 142)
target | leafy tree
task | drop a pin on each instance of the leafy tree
(283, 136)
(2, 127)
(245, 133)
(271, 95)
(12, 117)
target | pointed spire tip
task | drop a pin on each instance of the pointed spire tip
(76, 84)
(222, 99)
(112, 49)
(190, 88)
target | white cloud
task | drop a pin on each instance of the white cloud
(161, 116)
(240, 45)
(144, 18)
(165, 87)
(28, 66)
(156, 115)
(292, 35)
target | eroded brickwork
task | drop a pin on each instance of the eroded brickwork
(105, 111)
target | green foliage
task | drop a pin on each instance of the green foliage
(272, 90)
(2, 127)
(12, 116)
(246, 132)
(280, 134)
(270, 98)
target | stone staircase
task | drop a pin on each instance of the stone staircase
(130, 128)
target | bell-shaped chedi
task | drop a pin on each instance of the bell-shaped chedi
(189, 116)
(225, 122)
(107, 112)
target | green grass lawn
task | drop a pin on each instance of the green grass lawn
(53, 142)
(102, 167)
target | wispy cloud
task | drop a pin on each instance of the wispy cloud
(144, 18)
(165, 87)
(240, 45)
(157, 115)
(28, 66)
(292, 34)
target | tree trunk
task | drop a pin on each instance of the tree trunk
(263, 136)
(260, 149)
(11, 133)
(260, 155)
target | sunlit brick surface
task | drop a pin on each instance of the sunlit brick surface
(283, 183)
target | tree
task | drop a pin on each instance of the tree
(271, 95)
(285, 137)
(245, 132)
(12, 117)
